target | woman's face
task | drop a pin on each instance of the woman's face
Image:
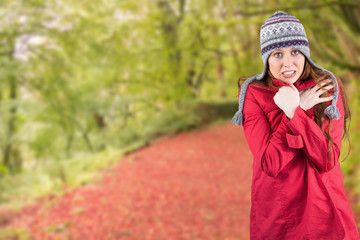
(286, 64)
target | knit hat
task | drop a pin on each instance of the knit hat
(283, 30)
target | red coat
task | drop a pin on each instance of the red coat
(297, 193)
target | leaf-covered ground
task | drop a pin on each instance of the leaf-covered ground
(191, 186)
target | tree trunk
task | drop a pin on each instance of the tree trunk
(11, 126)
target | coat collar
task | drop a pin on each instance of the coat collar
(300, 85)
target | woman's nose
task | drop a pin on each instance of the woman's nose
(288, 61)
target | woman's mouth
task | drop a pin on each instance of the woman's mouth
(289, 74)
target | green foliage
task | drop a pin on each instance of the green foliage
(81, 77)
(351, 165)
(53, 176)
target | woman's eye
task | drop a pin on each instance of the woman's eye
(278, 54)
(295, 52)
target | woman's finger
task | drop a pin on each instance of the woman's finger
(321, 84)
(324, 82)
(324, 89)
(326, 99)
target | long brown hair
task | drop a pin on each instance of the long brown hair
(318, 75)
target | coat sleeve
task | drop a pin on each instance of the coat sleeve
(316, 145)
(273, 149)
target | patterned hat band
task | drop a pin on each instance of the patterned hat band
(283, 30)
(283, 44)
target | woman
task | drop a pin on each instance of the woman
(294, 114)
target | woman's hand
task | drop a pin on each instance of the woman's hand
(288, 99)
(311, 96)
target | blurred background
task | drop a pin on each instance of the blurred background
(83, 82)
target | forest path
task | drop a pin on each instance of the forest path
(191, 186)
(194, 185)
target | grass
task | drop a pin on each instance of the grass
(53, 177)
